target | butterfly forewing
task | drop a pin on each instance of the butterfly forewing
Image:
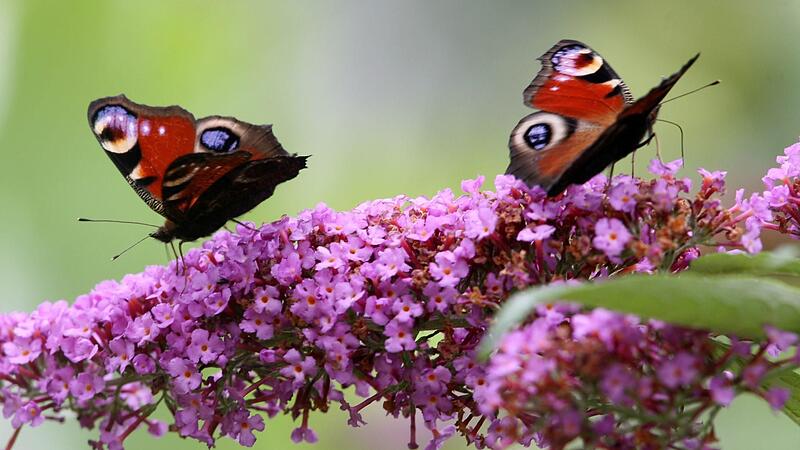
(142, 141)
(653, 99)
(575, 81)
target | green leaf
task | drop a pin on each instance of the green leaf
(722, 304)
(791, 381)
(515, 311)
(779, 263)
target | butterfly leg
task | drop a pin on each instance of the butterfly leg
(180, 253)
(183, 264)
(646, 142)
(166, 250)
(177, 260)
(610, 177)
(633, 163)
(658, 148)
(680, 130)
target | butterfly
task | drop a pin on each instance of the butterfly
(198, 174)
(587, 118)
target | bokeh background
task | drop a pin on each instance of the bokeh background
(389, 97)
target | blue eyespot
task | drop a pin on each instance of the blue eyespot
(538, 136)
(219, 140)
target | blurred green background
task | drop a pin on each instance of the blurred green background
(389, 97)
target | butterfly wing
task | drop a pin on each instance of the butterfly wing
(543, 145)
(208, 201)
(226, 134)
(142, 141)
(250, 184)
(621, 138)
(229, 156)
(189, 176)
(579, 95)
(575, 81)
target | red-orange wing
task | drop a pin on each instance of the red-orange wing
(575, 81)
(544, 145)
(189, 176)
(142, 141)
(579, 96)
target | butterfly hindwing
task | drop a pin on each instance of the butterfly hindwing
(248, 185)
(189, 176)
(544, 144)
(234, 193)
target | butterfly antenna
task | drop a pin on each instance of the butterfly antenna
(713, 83)
(113, 258)
(680, 129)
(129, 222)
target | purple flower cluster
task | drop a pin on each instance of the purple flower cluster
(610, 381)
(782, 194)
(389, 299)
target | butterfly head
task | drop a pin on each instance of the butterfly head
(165, 233)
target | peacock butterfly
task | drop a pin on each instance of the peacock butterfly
(587, 118)
(198, 174)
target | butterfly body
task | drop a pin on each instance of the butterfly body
(588, 118)
(198, 174)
